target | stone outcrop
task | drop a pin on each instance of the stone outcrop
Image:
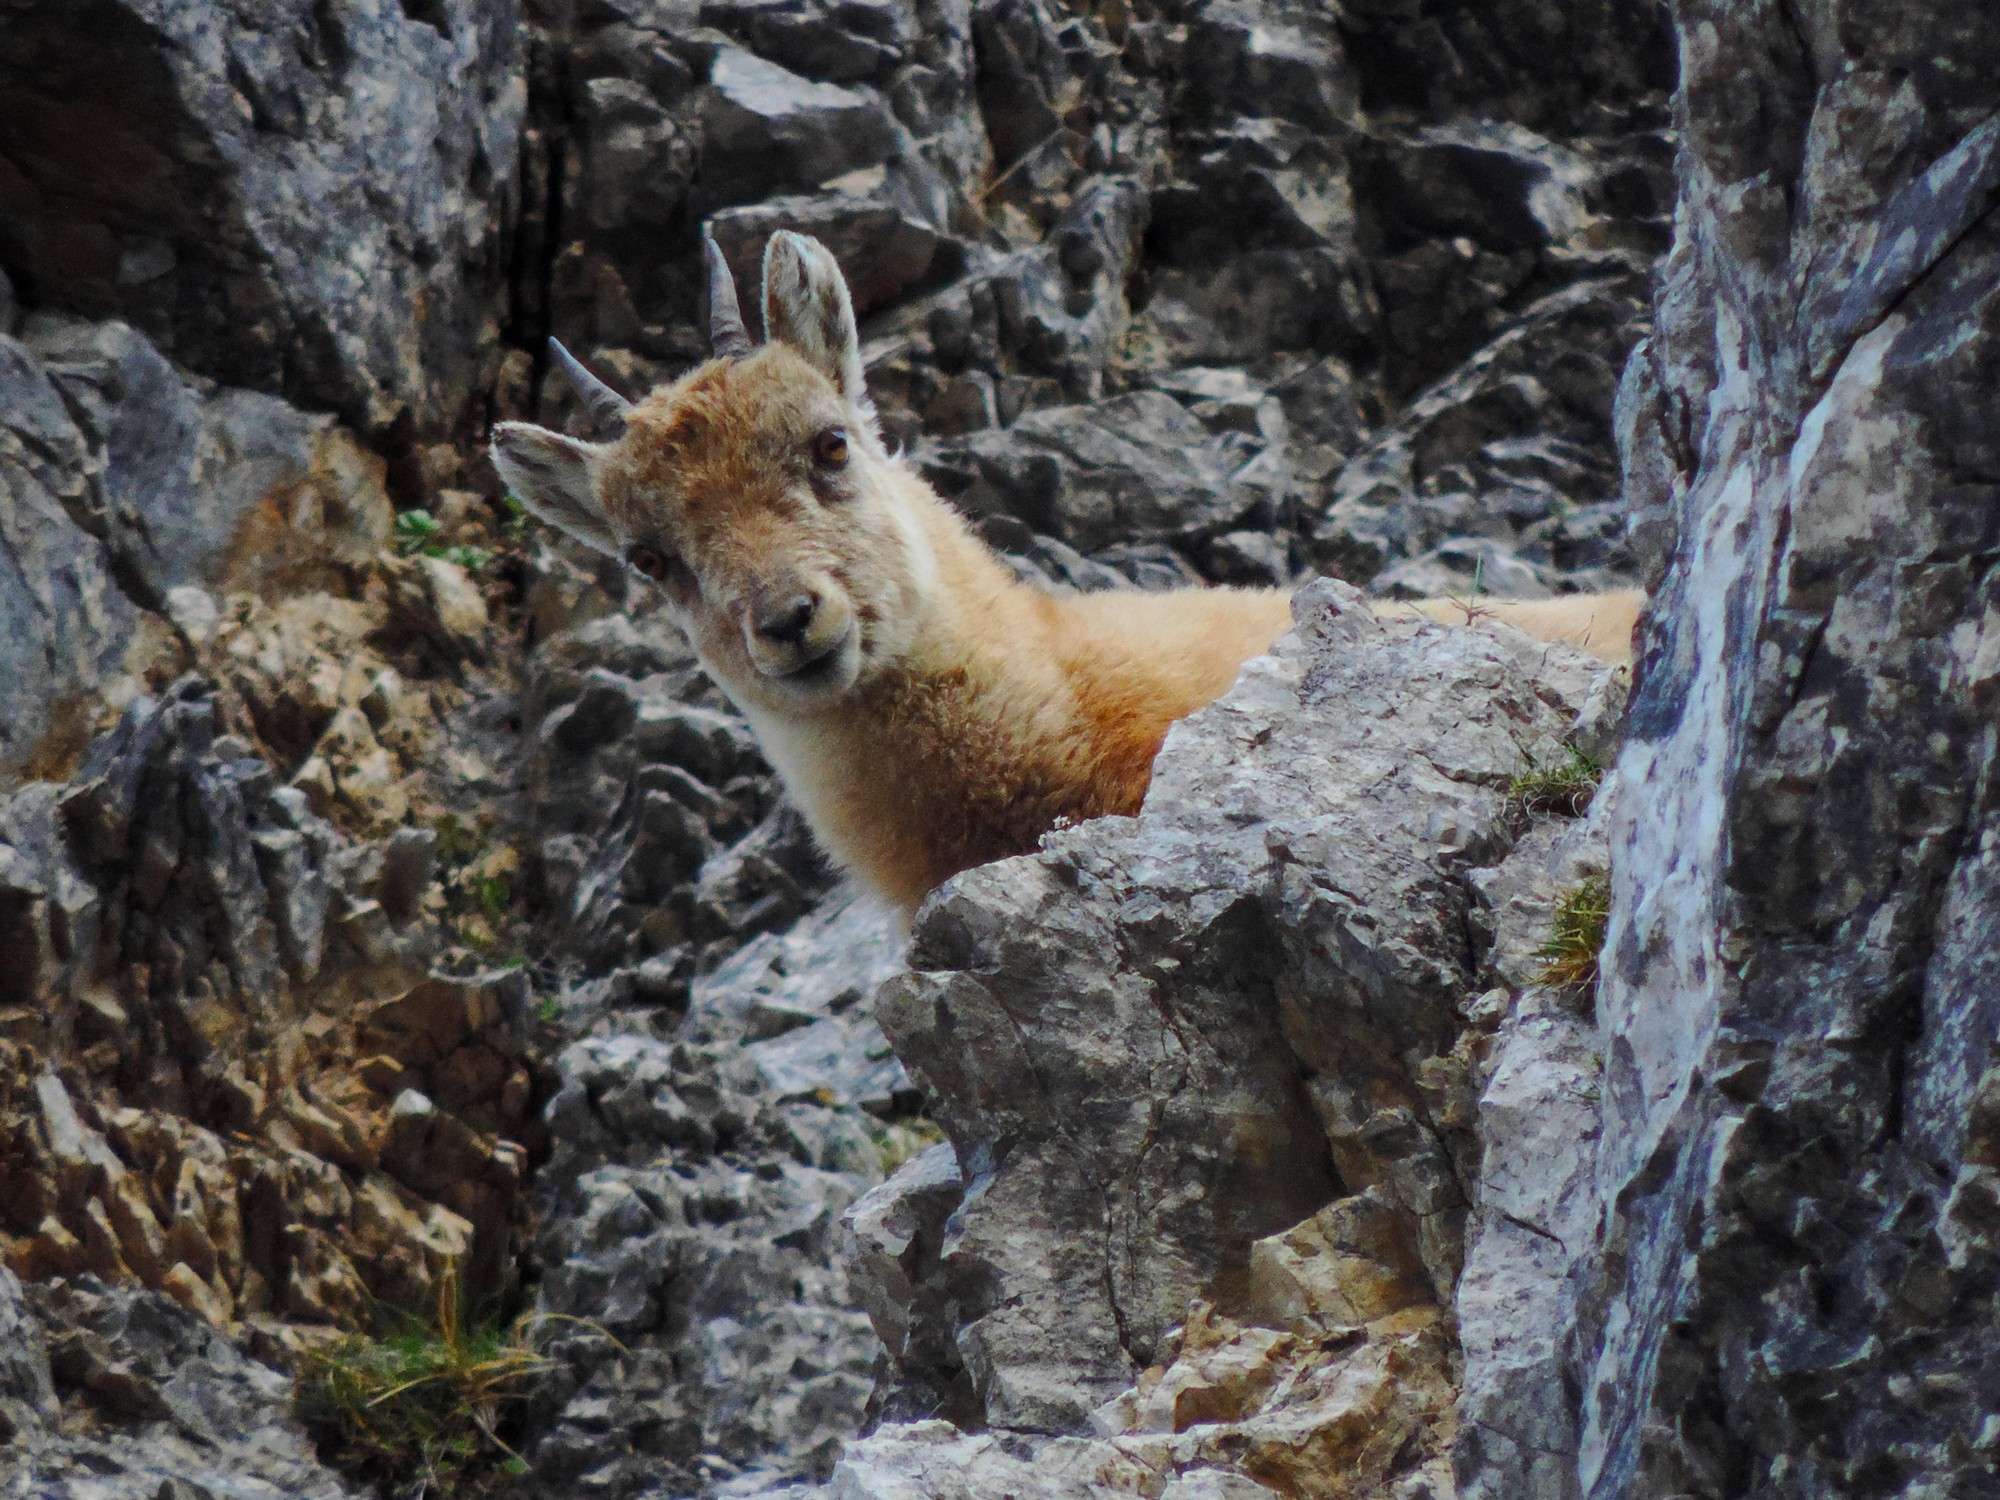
(1791, 1276)
(130, 491)
(305, 199)
(386, 901)
(1218, 1080)
(224, 1072)
(159, 1402)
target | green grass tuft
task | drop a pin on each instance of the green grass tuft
(472, 559)
(1576, 935)
(417, 530)
(1564, 787)
(420, 1407)
(495, 894)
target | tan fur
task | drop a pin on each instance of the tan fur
(936, 714)
(1601, 624)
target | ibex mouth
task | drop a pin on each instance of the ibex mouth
(828, 667)
(821, 665)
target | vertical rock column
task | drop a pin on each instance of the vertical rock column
(1794, 1290)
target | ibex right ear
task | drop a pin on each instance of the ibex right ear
(807, 306)
(556, 478)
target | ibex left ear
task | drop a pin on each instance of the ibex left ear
(806, 305)
(556, 478)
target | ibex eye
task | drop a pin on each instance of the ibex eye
(655, 564)
(830, 448)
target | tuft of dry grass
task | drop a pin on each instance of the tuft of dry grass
(1576, 935)
(420, 1407)
(1564, 787)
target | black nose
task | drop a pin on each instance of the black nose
(787, 623)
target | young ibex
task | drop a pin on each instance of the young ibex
(927, 711)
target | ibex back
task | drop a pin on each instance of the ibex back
(927, 711)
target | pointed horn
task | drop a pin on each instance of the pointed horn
(726, 333)
(607, 407)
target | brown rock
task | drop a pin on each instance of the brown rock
(140, 1241)
(195, 1294)
(1350, 1263)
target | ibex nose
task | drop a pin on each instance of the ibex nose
(787, 622)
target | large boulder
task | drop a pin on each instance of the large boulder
(1212, 1075)
(302, 199)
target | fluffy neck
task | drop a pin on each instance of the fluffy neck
(967, 751)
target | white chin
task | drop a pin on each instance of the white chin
(821, 681)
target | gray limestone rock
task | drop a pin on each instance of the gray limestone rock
(1281, 941)
(769, 130)
(66, 622)
(691, 1213)
(299, 199)
(1136, 464)
(122, 481)
(157, 1403)
(1791, 1287)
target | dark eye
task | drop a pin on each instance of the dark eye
(654, 563)
(830, 448)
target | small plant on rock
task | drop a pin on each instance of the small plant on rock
(421, 1406)
(1564, 786)
(1576, 936)
(897, 1141)
(418, 531)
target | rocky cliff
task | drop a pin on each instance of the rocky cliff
(391, 911)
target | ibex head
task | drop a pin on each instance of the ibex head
(755, 491)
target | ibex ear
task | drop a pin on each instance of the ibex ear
(556, 478)
(806, 306)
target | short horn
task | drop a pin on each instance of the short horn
(726, 334)
(607, 408)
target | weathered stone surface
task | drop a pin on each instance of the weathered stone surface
(1226, 290)
(1138, 464)
(769, 130)
(67, 624)
(155, 1402)
(1783, 1294)
(131, 489)
(1533, 1203)
(692, 1212)
(184, 934)
(299, 199)
(1279, 942)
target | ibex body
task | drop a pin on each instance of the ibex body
(927, 711)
